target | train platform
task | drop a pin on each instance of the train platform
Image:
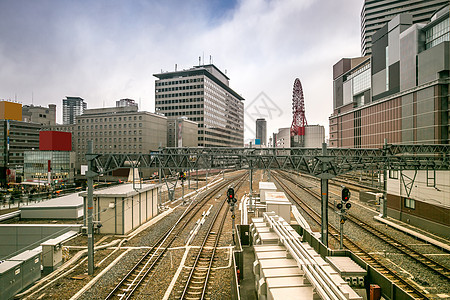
(421, 234)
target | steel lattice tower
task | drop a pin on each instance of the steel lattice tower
(298, 110)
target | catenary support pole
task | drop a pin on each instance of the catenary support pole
(384, 204)
(160, 183)
(251, 189)
(324, 196)
(90, 207)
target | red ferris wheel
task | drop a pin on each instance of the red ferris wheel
(298, 110)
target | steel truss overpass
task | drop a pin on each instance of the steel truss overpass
(320, 162)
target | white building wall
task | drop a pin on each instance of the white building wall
(283, 138)
(314, 136)
(439, 194)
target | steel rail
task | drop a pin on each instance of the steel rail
(152, 256)
(427, 262)
(202, 247)
(403, 284)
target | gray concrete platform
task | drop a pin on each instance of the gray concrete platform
(247, 284)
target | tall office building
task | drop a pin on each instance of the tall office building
(261, 131)
(203, 95)
(401, 92)
(72, 107)
(375, 14)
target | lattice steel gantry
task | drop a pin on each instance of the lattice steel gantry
(322, 163)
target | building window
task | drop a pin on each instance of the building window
(387, 68)
(438, 34)
(431, 178)
(393, 174)
(410, 203)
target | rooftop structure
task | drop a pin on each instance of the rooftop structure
(39, 114)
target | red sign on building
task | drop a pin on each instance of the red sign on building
(55, 141)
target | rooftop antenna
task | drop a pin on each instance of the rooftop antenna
(199, 60)
(210, 60)
(175, 67)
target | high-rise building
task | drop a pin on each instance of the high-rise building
(203, 95)
(72, 107)
(39, 114)
(375, 14)
(401, 92)
(261, 131)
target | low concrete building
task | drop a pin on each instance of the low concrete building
(122, 208)
(65, 207)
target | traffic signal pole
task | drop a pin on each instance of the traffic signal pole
(231, 199)
(342, 207)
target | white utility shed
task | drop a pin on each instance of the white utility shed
(65, 207)
(120, 209)
(280, 204)
(266, 187)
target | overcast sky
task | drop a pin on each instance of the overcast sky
(105, 50)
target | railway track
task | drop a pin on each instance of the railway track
(144, 268)
(432, 265)
(406, 285)
(196, 280)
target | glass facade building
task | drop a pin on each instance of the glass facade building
(62, 164)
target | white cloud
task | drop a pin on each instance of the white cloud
(109, 50)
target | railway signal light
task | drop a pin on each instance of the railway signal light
(230, 195)
(182, 175)
(339, 206)
(348, 205)
(345, 194)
